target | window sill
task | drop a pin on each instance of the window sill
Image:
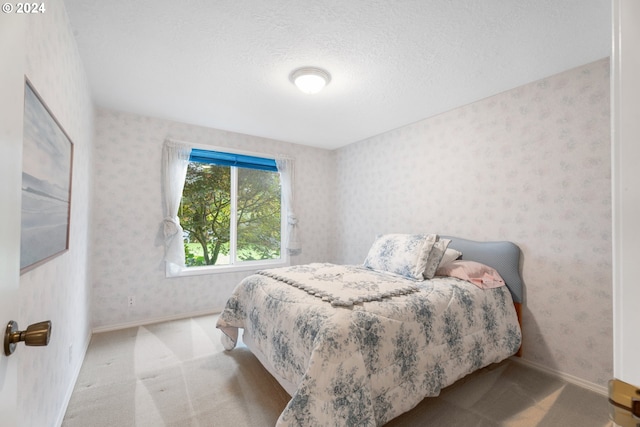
(222, 269)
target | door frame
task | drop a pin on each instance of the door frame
(625, 158)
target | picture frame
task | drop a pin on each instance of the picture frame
(47, 163)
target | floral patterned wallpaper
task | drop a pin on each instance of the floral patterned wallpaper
(127, 256)
(531, 165)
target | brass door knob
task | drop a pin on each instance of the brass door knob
(37, 334)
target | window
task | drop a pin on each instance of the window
(231, 211)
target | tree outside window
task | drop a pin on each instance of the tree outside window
(230, 215)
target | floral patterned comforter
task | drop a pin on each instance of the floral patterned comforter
(364, 364)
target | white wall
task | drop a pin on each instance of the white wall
(128, 210)
(58, 290)
(531, 165)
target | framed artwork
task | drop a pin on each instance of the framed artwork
(47, 159)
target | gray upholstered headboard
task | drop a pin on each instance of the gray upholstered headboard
(503, 256)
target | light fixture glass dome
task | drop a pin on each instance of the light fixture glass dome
(310, 79)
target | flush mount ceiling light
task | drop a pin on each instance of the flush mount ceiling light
(310, 79)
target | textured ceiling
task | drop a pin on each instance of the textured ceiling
(225, 63)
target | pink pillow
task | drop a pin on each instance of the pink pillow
(479, 274)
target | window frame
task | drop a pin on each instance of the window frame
(238, 266)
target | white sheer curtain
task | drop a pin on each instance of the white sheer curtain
(175, 159)
(285, 168)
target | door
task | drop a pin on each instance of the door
(12, 57)
(625, 125)
(626, 188)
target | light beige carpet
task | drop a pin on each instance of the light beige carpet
(177, 374)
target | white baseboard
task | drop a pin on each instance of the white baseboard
(143, 322)
(72, 385)
(564, 376)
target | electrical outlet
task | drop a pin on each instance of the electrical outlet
(131, 301)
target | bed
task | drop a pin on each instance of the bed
(362, 344)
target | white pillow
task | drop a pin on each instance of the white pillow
(435, 258)
(449, 255)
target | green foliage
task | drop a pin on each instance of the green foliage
(192, 259)
(258, 215)
(205, 214)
